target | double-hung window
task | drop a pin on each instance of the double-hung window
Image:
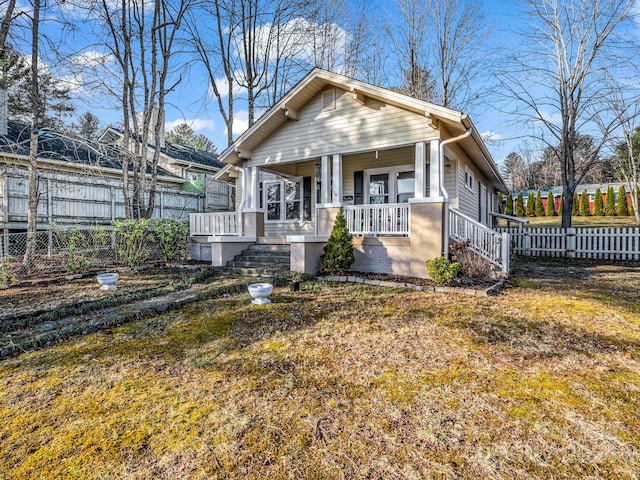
(283, 199)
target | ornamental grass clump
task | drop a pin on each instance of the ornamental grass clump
(338, 256)
(441, 270)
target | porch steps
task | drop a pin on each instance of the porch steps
(262, 259)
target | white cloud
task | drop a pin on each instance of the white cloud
(240, 123)
(196, 124)
(92, 59)
(223, 88)
(493, 137)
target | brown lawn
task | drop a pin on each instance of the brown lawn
(344, 381)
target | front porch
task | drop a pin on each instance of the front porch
(392, 238)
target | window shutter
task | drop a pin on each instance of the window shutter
(358, 187)
(306, 198)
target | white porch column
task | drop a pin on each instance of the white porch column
(336, 184)
(325, 180)
(254, 185)
(434, 169)
(419, 168)
(246, 188)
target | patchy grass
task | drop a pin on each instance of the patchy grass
(343, 381)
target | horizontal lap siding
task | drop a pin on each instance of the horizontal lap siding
(350, 127)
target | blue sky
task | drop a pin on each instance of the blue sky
(186, 103)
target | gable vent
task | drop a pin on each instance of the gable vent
(329, 99)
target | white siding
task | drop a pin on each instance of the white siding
(350, 127)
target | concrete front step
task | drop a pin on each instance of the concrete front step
(262, 259)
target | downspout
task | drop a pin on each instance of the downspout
(443, 191)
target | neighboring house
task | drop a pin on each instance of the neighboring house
(197, 167)
(406, 172)
(80, 182)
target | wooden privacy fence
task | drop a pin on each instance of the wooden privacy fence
(599, 243)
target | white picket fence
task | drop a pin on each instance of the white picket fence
(598, 243)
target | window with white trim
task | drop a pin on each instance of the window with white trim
(283, 200)
(389, 184)
(468, 178)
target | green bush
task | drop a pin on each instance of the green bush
(539, 207)
(520, 205)
(531, 205)
(337, 255)
(82, 247)
(550, 208)
(611, 202)
(441, 270)
(172, 236)
(508, 208)
(584, 204)
(131, 239)
(576, 204)
(622, 209)
(561, 204)
(598, 207)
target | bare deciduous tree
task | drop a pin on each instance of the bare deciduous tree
(556, 78)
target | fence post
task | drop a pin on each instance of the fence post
(506, 252)
(50, 243)
(570, 249)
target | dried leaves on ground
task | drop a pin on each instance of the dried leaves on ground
(344, 381)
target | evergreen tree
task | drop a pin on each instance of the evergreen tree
(531, 204)
(338, 256)
(500, 204)
(610, 208)
(561, 204)
(550, 209)
(584, 204)
(598, 207)
(520, 205)
(539, 207)
(183, 134)
(622, 208)
(576, 204)
(508, 208)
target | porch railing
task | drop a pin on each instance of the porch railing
(218, 223)
(492, 245)
(386, 219)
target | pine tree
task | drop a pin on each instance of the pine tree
(576, 204)
(338, 256)
(598, 209)
(539, 207)
(500, 199)
(610, 208)
(561, 204)
(520, 205)
(622, 208)
(531, 205)
(508, 209)
(550, 209)
(584, 204)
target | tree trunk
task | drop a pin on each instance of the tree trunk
(32, 203)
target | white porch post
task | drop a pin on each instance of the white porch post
(434, 169)
(254, 202)
(419, 168)
(325, 181)
(336, 185)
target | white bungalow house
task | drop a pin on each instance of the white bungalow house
(409, 175)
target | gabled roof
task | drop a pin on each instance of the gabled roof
(176, 153)
(65, 148)
(314, 82)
